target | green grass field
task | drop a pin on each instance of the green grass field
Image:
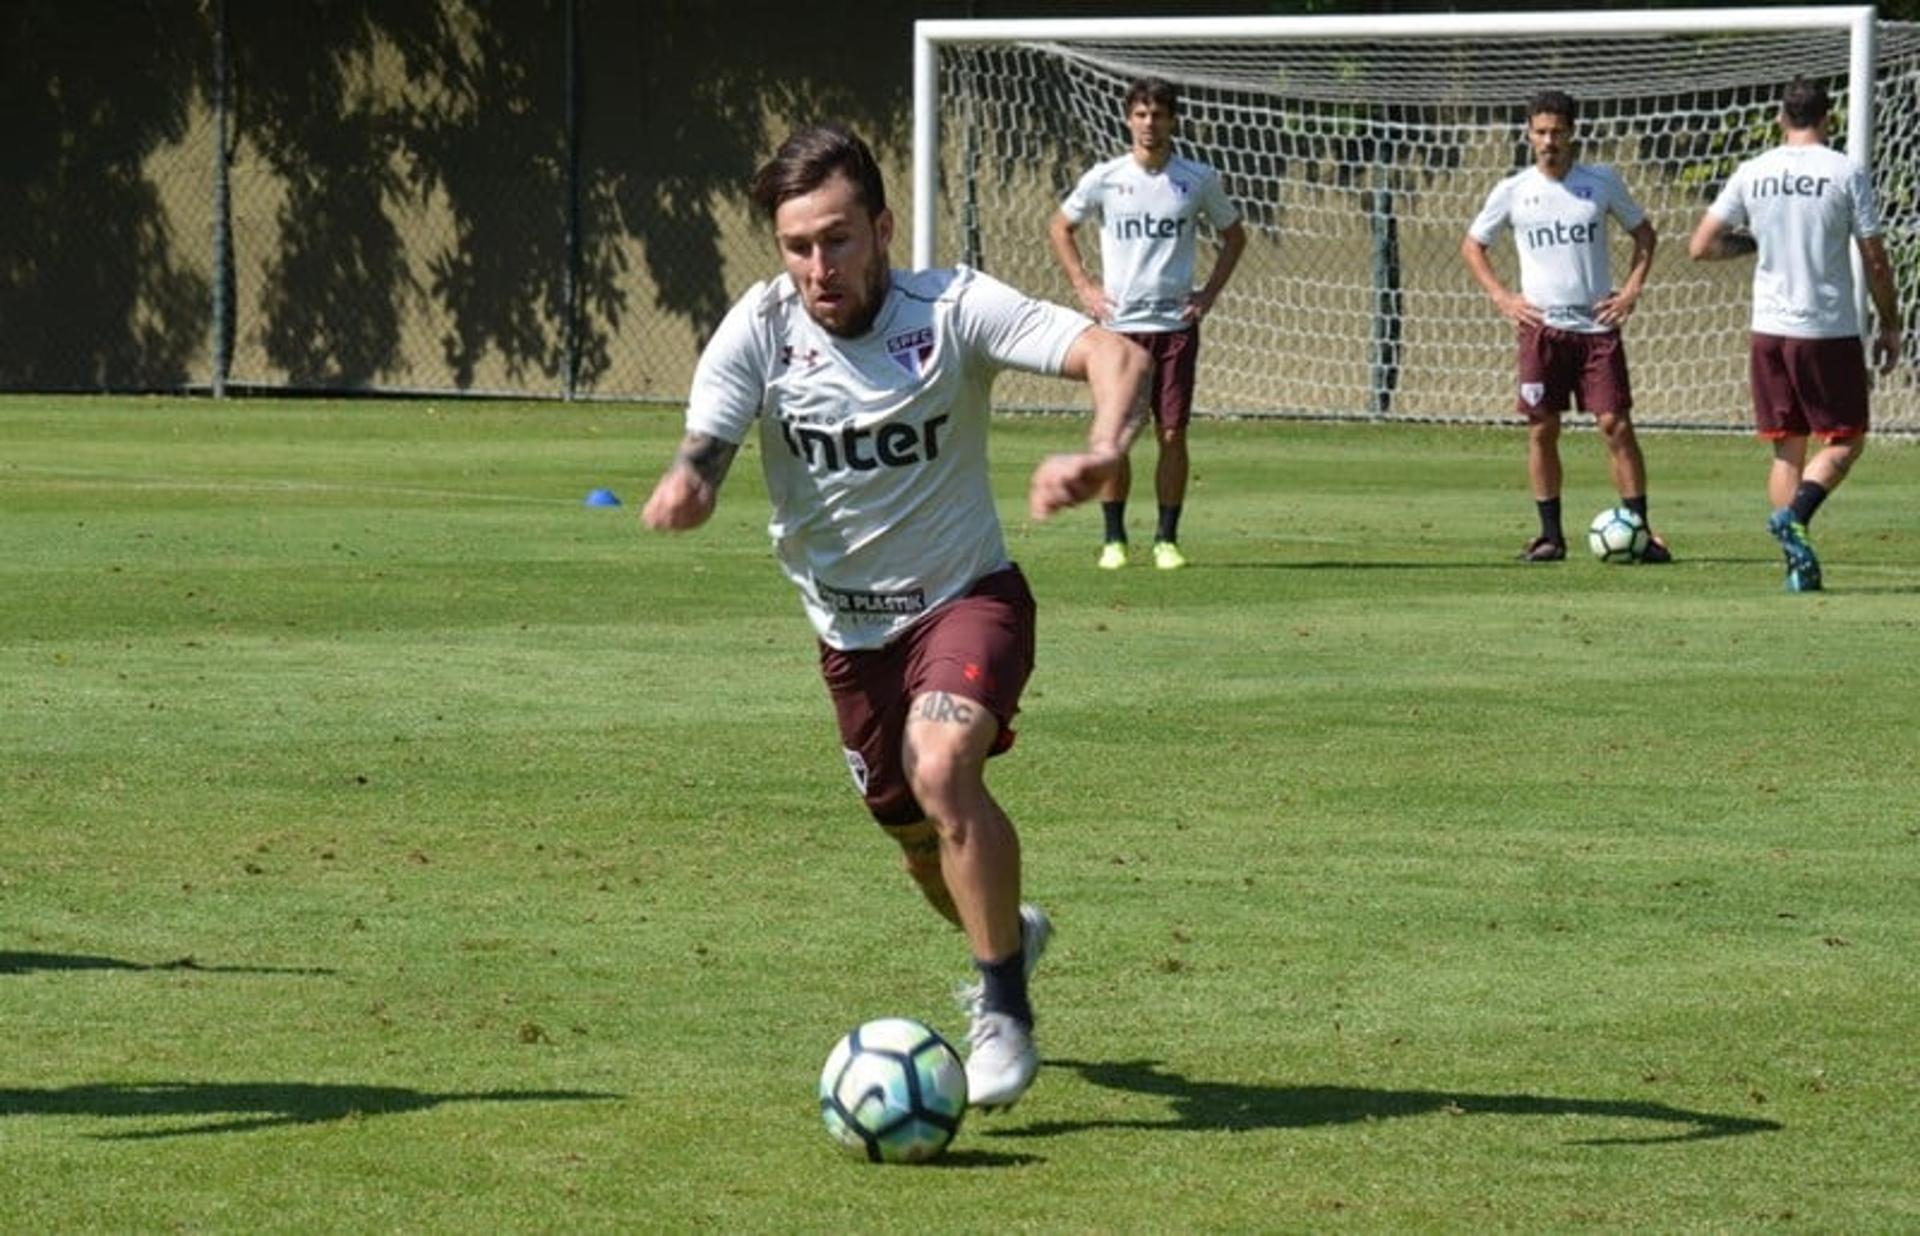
(390, 842)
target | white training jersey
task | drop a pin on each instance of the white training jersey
(875, 448)
(1560, 231)
(1147, 236)
(1804, 205)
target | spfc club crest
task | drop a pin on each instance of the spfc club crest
(912, 350)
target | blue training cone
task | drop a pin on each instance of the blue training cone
(601, 497)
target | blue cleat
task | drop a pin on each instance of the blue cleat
(1803, 565)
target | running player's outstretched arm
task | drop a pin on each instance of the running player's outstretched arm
(1116, 369)
(685, 496)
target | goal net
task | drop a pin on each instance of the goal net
(1358, 151)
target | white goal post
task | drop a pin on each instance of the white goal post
(1360, 147)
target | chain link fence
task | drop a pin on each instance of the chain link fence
(540, 199)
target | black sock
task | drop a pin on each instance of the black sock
(1169, 525)
(1116, 517)
(1004, 987)
(1806, 500)
(1550, 519)
(1639, 507)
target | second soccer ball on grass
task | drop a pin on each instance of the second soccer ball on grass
(1617, 534)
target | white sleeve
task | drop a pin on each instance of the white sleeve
(1084, 199)
(1492, 219)
(1215, 204)
(1866, 207)
(1014, 330)
(1622, 205)
(730, 382)
(1730, 206)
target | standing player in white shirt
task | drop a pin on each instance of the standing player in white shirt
(1567, 312)
(1150, 201)
(1800, 204)
(871, 389)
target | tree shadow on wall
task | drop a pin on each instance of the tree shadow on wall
(198, 1108)
(686, 104)
(94, 288)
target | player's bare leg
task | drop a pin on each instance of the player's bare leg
(1797, 486)
(1783, 476)
(948, 738)
(1629, 469)
(947, 741)
(1623, 454)
(1113, 510)
(1170, 488)
(920, 855)
(1543, 475)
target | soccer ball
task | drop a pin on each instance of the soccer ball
(893, 1091)
(1617, 535)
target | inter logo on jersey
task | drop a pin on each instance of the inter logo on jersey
(912, 350)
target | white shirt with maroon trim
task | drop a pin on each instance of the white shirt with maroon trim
(875, 448)
(1147, 234)
(1804, 205)
(1560, 232)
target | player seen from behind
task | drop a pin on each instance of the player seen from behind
(1799, 205)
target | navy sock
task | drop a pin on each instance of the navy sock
(1004, 987)
(1115, 514)
(1169, 525)
(1550, 519)
(1806, 500)
(1639, 507)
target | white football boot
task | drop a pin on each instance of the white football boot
(1001, 1061)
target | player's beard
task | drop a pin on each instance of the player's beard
(875, 295)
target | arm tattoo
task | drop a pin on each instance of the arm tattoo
(940, 706)
(707, 457)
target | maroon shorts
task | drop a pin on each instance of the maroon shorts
(1175, 354)
(979, 646)
(1560, 367)
(1808, 386)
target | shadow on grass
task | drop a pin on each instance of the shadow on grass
(1236, 1107)
(1544, 568)
(245, 1107)
(968, 1159)
(26, 963)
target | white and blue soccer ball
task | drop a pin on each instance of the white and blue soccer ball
(1617, 534)
(893, 1091)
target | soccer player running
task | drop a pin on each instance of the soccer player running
(1149, 200)
(1567, 312)
(1798, 205)
(871, 389)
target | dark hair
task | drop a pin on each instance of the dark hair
(808, 158)
(1805, 104)
(1554, 103)
(1152, 90)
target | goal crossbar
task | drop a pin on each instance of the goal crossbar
(929, 35)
